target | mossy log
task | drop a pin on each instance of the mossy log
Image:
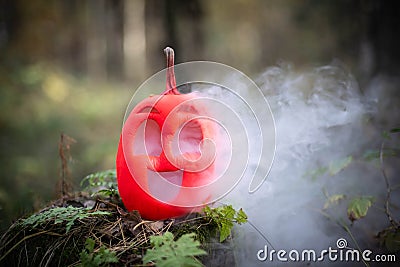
(58, 242)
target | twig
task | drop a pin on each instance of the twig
(166, 228)
(388, 189)
(141, 223)
(343, 225)
(122, 231)
(347, 229)
(64, 153)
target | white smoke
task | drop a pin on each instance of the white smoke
(322, 117)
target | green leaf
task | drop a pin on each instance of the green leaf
(334, 168)
(395, 130)
(358, 207)
(333, 200)
(224, 217)
(337, 166)
(370, 155)
(392, 241)
(89, 244)
(314, 174)
(228, 212)
(167, 252)
(191, 247)
(100, 178)
(57, 215)
(241, 217)
(101, 183)
(225, 230)
(390, 237)
(101, 258)
(106, 192)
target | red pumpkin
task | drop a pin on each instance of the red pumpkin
(165, 146)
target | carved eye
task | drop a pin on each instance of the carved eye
(148, 139)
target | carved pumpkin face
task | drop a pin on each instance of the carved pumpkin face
(164, 149)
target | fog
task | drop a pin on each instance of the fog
(325, 127)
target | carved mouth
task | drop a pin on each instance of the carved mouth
(189, 139)
(163, 181)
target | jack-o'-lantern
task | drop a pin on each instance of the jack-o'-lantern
(166, 145)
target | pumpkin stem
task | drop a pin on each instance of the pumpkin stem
(171, 82)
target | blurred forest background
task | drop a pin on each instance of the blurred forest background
(72, 67)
